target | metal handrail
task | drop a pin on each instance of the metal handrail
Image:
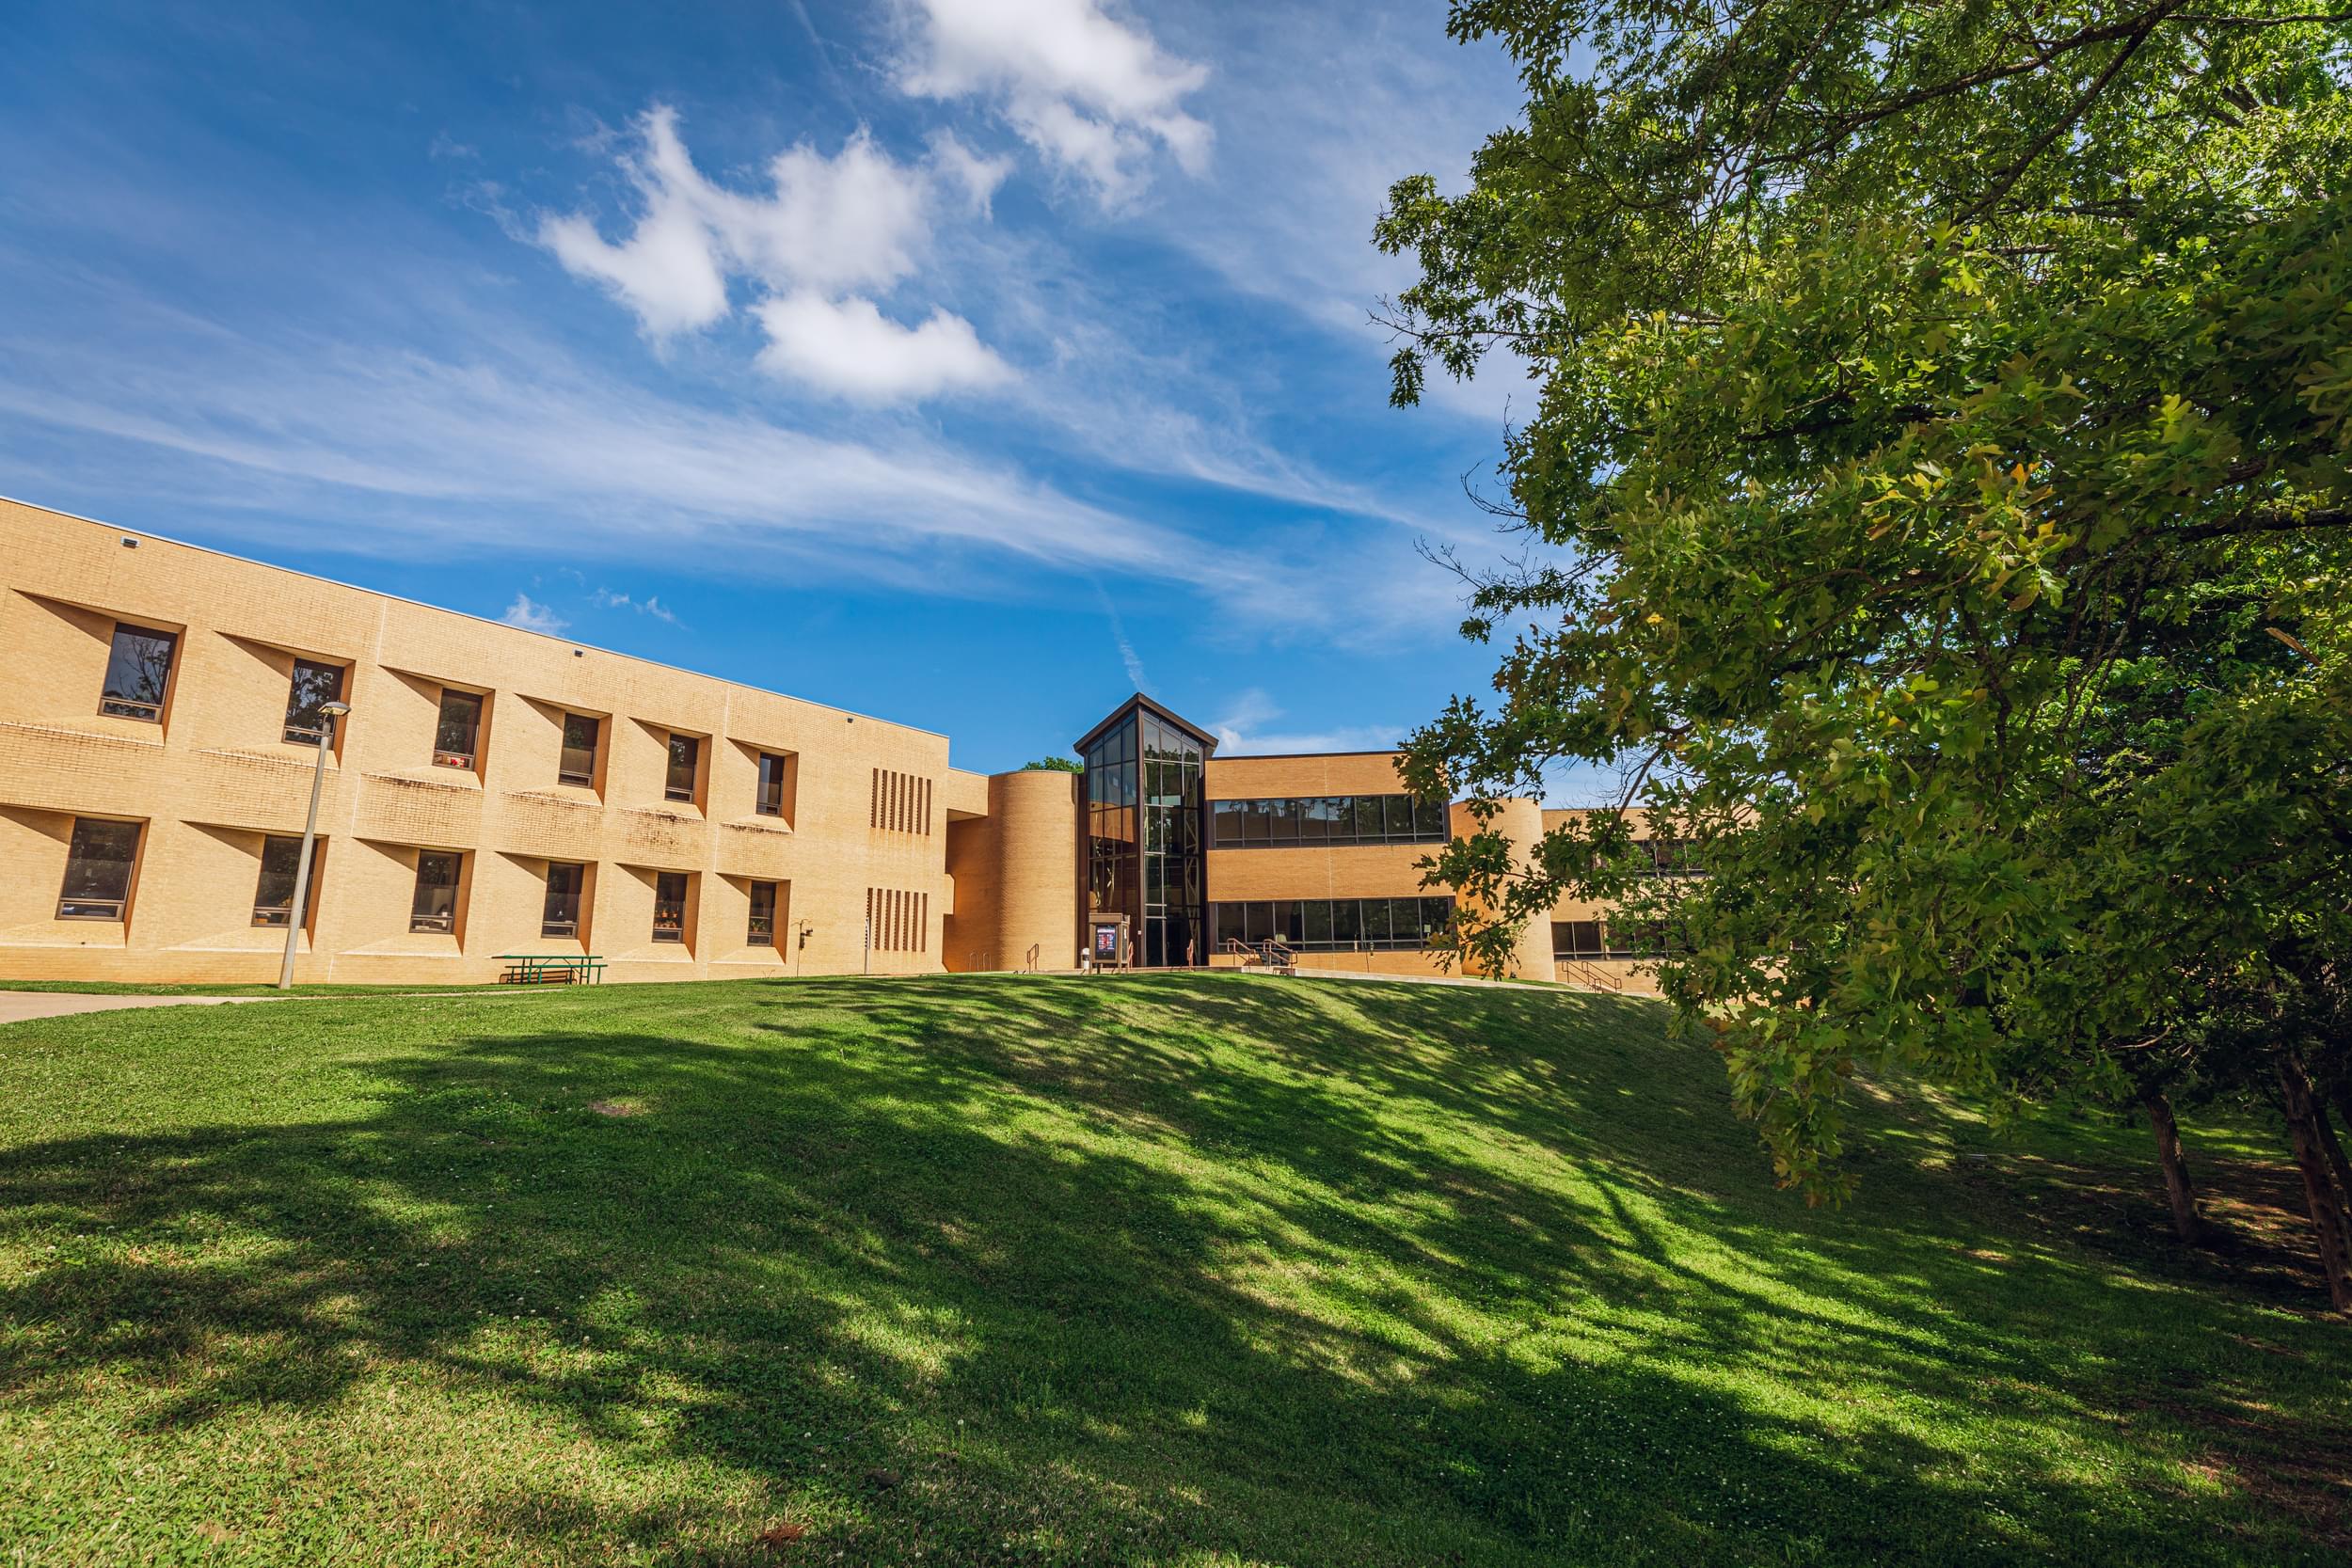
(1273, 953)
(1599, 980)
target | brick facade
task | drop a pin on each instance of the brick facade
(860, 825)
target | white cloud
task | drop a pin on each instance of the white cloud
(532, 615)
(828, 227)
(1090, 92)
(667, 271)
(850, 349)
(604, 599)
(976, 177)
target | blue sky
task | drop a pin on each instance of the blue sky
(964, 362)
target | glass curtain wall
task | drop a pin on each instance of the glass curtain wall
(1145, 837)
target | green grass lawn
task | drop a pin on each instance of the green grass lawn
(1146, 1270)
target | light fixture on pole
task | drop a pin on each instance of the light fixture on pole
(328, 713)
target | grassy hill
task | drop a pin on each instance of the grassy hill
(1155, 1270)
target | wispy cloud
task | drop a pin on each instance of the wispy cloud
(1248, 729)
(1129, 660)
(532, 615)
(1091, 93)
(605, 598)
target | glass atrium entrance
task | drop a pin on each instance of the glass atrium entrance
(1147, 832)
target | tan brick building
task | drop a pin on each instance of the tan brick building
(495, 792)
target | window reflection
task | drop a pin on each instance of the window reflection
(1334, 820)
(1334, 925)
(1144, 835)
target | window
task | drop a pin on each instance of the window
(770, 800)
(1576, 939)
(1670, 857)
(98, 869)
(273, 896)
(560, 915)
(460, 726)
(1334, 925)
(762, 930)
(669, 906)
(138, 670)
(435, 906)
(577, 764)
(685, 753)
(1334, 819)
(314, 686)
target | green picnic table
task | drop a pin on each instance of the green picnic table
(551, 969)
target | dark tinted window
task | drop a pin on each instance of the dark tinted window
(684, 752)
(1336, 819)
(762, 930)
(314, 686)
(1342, 924)
(139, 671)
(560, 915)
(1348, 922)
(455, 732)
(770, 800)
(1576, 939)
(577, 764)
(435, 906)
(98, 869)
(273, 896)
(669, 906)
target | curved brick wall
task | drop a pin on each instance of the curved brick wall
(1522, 822)
(1016, 873)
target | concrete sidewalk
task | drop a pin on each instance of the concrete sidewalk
(18, 1005)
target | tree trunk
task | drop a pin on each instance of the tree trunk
(2187, 1222)
(2319, 1182)
(2332, 1147)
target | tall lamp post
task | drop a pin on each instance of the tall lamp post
(330, 712)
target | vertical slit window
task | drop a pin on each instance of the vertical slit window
(98, 869)
(761, 930)
(138, 672)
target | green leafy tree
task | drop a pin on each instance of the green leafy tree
(1054, 765)
(1937, 504)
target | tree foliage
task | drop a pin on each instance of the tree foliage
(1936, 500)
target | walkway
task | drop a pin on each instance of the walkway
(18, 1005)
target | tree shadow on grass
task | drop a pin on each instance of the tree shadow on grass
(1133, 1273)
